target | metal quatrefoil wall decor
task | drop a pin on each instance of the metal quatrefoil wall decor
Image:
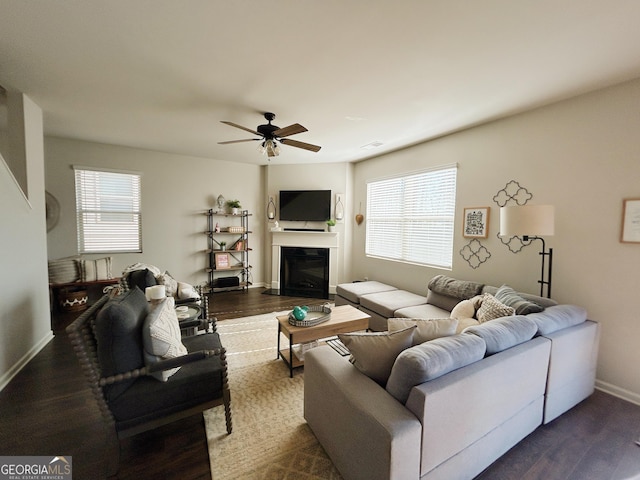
(513, 193)
(475, 253)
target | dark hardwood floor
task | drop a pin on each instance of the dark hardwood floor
(48, 410)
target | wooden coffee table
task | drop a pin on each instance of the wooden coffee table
(344, 319)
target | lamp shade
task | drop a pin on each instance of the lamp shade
(532, 220)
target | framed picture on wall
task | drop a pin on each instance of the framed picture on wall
(475, 223)
(630, 221)
(223, 261)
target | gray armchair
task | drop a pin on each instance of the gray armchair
(108, 340)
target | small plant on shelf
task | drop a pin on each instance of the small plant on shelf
(234, 205)
(330, 224)
(223, 245)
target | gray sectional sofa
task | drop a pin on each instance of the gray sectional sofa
(453, 405)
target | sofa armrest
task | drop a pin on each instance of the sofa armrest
(366, 432)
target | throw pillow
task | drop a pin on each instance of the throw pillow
(426, 329)
(452, 287)
(64, 270)
(161, 337)
(511, 298)
(186, 291)
(492, 308)
(169, 282)
(99, 269)
(374, 353)
(466, 308)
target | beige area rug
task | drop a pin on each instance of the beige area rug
(270, 438)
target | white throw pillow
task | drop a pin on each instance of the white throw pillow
(161, 337)
(426, 329)
(374, 353)
(492, 308)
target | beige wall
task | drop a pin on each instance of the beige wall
(581, 155)
(176, 191)
(25, 324)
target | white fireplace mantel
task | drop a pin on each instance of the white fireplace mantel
(305, 239)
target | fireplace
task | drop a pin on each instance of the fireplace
(304, 272)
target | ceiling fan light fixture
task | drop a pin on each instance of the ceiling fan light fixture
(270, 148)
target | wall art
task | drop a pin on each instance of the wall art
(630, 221)
(475, 223)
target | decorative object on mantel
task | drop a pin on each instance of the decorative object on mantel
(512, 192)
(276, 227)
(475, 222)
(331, 223)
(221, 203)
(630, 232)
(532, 222)
(359, 216)
(339, 209)
(271, 208)
(309, 316)
(475, 253)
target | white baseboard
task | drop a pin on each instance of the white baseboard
(618, 392)
(19, 365)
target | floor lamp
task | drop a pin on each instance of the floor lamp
(531, 222)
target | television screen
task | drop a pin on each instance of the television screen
(305, 205)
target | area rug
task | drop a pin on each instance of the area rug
(270, 439)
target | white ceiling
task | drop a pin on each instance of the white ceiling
(162, 74)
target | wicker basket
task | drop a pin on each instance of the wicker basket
(73, 301)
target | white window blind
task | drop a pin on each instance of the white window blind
(410, 218)
(108, 211)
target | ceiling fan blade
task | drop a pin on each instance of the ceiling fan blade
(295, 143)
(240, 127)
(290, 130)
(240, 141)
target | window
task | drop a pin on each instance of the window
(108, 211)
(410, 218)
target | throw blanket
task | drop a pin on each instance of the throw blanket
(451, 287)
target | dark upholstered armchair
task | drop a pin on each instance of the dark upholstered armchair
(136, 391)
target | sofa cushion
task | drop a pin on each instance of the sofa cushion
(461, 289)
(511, 298)
(492, 308)
(118, 331)
(421, 311)
(503, 333)
(430, 360)
(353, 291)
(195, 383)
(170, 283)
(558, 317)
(426, 329)
(374, 353)
(442, 301)
(386, 303)
(161, 337)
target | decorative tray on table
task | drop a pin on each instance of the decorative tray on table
(309, 316)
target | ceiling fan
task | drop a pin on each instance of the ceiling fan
(270, 135)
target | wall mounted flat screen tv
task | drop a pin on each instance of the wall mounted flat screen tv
(305, 205)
